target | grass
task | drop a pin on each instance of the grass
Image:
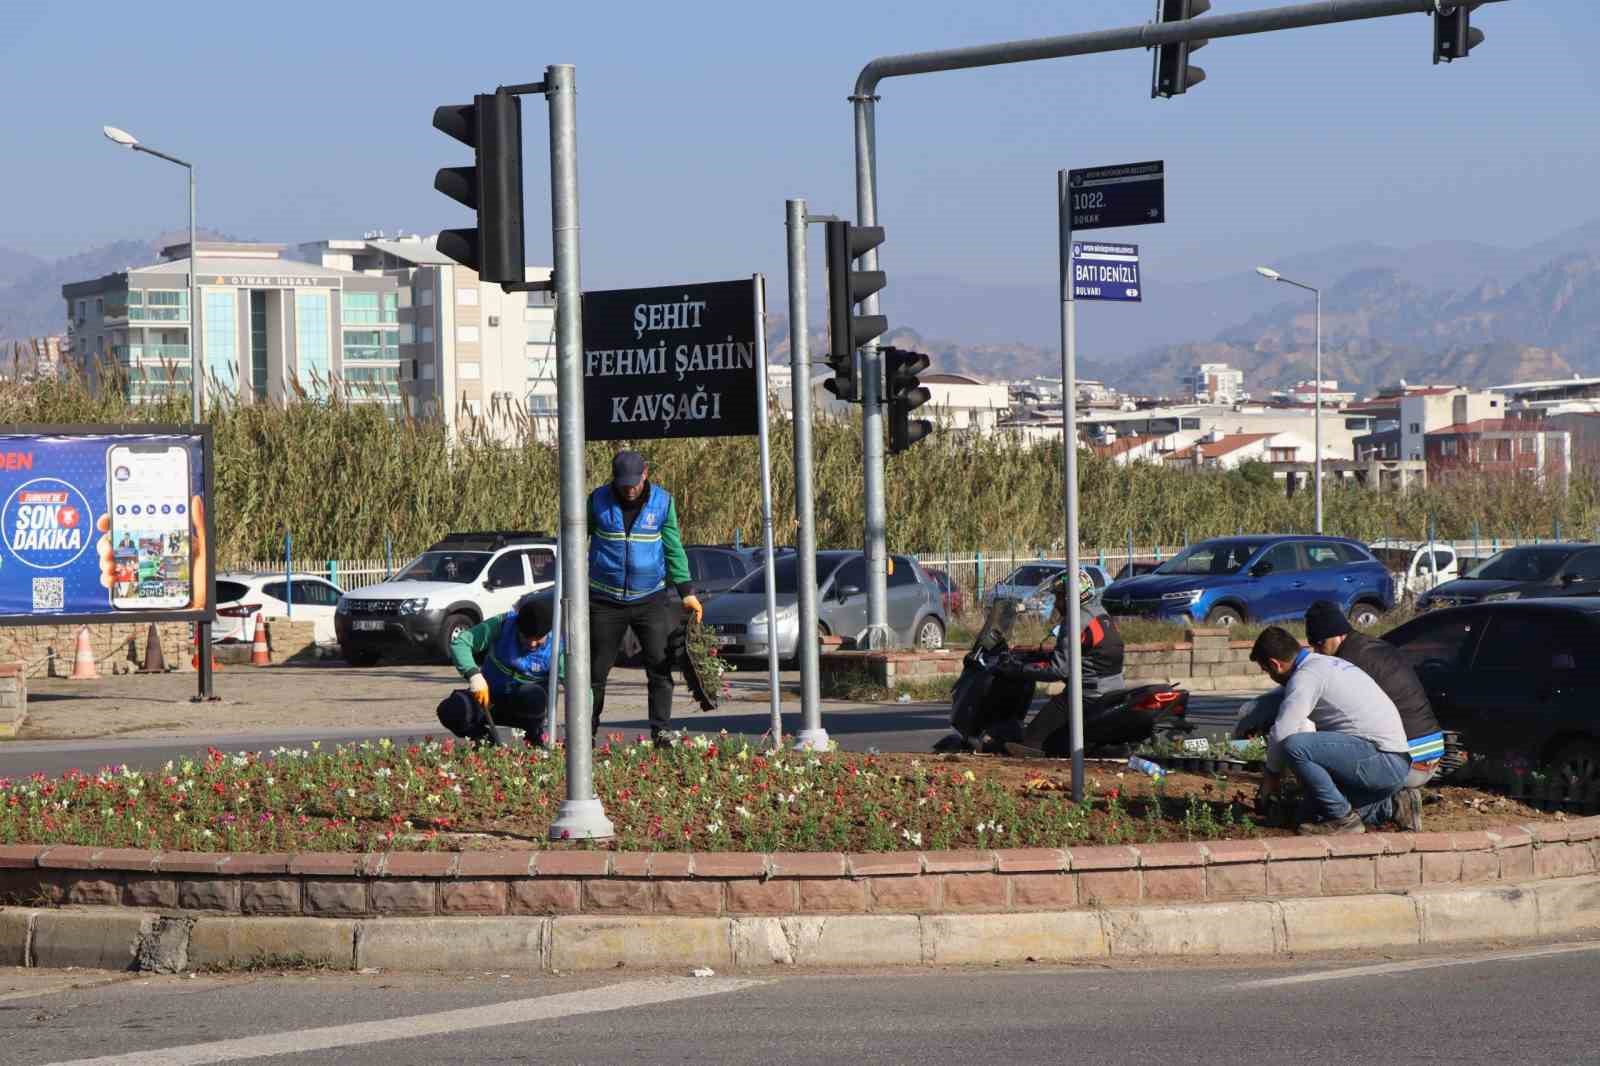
(269, 962)
(348, 482)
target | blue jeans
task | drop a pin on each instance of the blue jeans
(1339, 771)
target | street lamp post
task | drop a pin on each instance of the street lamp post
(128, 140)
(1273, 275)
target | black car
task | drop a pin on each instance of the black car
(717, 568)
(1520, 681)
(1522, 573)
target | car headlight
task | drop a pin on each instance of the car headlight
(1190, 596)
(344, 605)
(414, 606)
(1499, 597)
(786, 614)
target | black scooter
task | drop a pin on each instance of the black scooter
(987, 709)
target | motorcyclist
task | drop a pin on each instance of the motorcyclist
(1101, 651)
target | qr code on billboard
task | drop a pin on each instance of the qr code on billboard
(49, 593)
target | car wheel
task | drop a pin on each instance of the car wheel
(1577, 761)
(1364, 616)
(930, 635)
(1224, 616)
(454, 626)
(362, 657)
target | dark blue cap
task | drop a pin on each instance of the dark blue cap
(627, 469)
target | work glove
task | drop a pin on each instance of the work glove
(691, 604)
(479, 689)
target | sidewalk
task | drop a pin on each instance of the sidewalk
(313, 696)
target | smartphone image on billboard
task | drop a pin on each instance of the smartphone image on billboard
(147, 495)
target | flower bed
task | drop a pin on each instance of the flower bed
(707, 794)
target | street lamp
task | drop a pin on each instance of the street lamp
(128, 140)
(1273, 275)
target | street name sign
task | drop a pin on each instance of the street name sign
(1132, 194)
(1105, 272)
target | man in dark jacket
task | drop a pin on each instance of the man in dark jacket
(635, 549)
(1101, 650)
(1329, 632)
(506, 663)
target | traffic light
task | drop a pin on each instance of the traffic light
(1173, 73)
(847, 330)
(905, 394)
(492, 125)
(1453, 35)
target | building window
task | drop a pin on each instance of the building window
(1447, 446)
(360, 308)
(81, 313)
(158, 305)
(466, 334)
(258, 343)
(408, 333)
(1188, 423)
(312, 355)
(366, 345)
(468, 371)
(391, 307)
(427, 371)
(425, 298)
(1283, 455)
(99, 306)
(220, 328)
(1529, 445)
(1502, 450)
(1416, 427)
(427, 335)
(467, 297)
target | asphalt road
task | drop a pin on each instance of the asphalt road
(1490, 1008)
(856, 727)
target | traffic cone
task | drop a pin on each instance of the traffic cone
(194, 660)
(154, 662)
(259, 655)
(83, 661)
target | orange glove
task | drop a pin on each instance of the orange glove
(480, 690)
(691, 603)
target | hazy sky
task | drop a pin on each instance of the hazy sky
(697, 119)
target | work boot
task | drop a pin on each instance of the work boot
(1350, 823)
(1408, 809)
(954, 742)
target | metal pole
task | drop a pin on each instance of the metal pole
(1318, 419)
(876, 531)
(550, 721)
(1069, 481)
(812, 736)
(195, 382)
(581, 815)
(765, 445)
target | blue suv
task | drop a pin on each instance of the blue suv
(1265, 578)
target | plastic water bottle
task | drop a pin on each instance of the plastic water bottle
(1146, 767)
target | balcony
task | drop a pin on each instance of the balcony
(151, 353)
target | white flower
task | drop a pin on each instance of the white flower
(914, 838)
(742, 811)
(713, 827)
(350, 792)
(271, 781)
(382, 771)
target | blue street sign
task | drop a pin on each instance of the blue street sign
(1103, 271)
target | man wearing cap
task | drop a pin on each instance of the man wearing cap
(635, 549)
(1329, 632)
(506, 661)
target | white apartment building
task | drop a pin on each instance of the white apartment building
(1423, 410)
(1216, 383)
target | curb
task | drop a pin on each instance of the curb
(117, 939)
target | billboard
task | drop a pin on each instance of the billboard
(106, 524)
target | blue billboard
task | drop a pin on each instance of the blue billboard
(101, 524)
(1103, 271)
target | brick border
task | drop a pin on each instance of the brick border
(569, 882)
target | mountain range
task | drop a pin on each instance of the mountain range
(1446, 311)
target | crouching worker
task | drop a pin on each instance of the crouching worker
(506, 662)
(1355, 759)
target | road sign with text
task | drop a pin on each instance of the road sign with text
(1105, 271)
(1132, 194)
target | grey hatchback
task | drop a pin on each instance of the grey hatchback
(739, 616)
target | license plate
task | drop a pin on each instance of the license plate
(725, 639)
(367, 625)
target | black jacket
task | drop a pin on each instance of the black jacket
(1384, 663)
(1101, 651)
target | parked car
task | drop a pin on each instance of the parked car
(1135, 569)
(242, 596)
(454, 585)
(1266, 578)
(716, 568)
(950, 593)
(1518, 680)
(1521, 573)
(1417, 566)
(739, 616)
(1027, 583)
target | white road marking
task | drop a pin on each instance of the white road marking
(515, 1012)
(1417, 964)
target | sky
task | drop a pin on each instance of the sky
(696, 120)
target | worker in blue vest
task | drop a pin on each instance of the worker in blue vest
(506, 661)
(635, 549)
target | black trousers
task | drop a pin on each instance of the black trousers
(651, 623)
(522, 708)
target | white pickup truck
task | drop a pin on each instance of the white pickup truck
(1416, 565)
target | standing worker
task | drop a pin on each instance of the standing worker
(635, 548)
(506, 661)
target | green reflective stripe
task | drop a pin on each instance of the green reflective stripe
(596, 583)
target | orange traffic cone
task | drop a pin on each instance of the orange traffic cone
(83, 661)
(194, 660)
(259, 655)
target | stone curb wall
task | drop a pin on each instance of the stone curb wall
(13, 698)
(48, 651)
(1206, 661)
(681, 884)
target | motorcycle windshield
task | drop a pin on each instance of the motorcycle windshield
(998, 622)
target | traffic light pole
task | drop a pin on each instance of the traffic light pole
(581, 816)
(1073, 622)
(875, 541)
(811, 736)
